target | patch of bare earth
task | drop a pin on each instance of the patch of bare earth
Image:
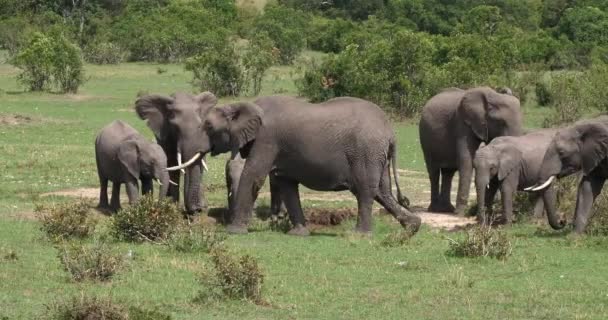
(14, 119)
(88, 193)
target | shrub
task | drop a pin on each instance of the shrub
(90, 262)
(567, 96)
(280, 223)
(397, 238)
(327, 35)
(13, 33)
(8, 254)
(257, 58)
(47, 60)
(217, 70)
(598, 224)
(232, 277)
(96, 308)
(147, 220)
(543, 93)
(104, 53)
(66, 220)
(196, 239)
(482, 241)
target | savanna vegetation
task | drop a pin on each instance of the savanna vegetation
(67, 68)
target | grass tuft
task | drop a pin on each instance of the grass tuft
(397, 238)
(196, 239)
(8, 254)
(147, 220)
(90, 262)
(86, 307)
(66, 220)
(232, 277)
(482, 241)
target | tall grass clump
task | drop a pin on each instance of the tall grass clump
(147, 220)
(94, 262)
(86, 307)
(482, 241)
(196, 239)
(231, 277)
(66, 220)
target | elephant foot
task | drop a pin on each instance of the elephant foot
(410, 223)
(441, 207)
(366, 230)
(237, 229)
(461, 210)
(299, 230)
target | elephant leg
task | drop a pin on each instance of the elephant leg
(277, 207)
(132, 191)
(115, 201)
(291, 196)
(103, 193)
(539, 207)
(446, 188)
(588, 189)
(385, 198)
(434, 179)
(506, 192)
(146, 186)
(465, 173)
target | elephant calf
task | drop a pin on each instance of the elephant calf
(125, 156)
(511, 164)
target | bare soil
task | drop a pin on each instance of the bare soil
(14, 119)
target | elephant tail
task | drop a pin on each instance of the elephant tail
(403, 200)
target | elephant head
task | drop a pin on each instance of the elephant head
(176, 122)
(494, 161)
(490, 114)
(146, 161)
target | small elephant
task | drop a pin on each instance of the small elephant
(580, 146)
(341, 144)
(452, 125)
(125, 156)
(512, 164)
(234, 169)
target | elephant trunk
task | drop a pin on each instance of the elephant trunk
(164, 180)
(555, 221)
(482, 181)
(192, 188)
(550, 168)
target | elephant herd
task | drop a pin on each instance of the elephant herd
(349, 144)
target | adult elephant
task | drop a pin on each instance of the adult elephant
(580, 146)
(341, 144)
(125, 156)
(176, 121)
(453, 124)
(511, 164)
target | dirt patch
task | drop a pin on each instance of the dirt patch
(320, 196)
(89, 193)
(15, 119)
(445, 221)
(329, 217)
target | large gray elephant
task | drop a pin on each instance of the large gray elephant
(342, 144)
(125, 156)
(453, 124)
(581, 146)
(176, 122)
(511, 164)
(233, 171)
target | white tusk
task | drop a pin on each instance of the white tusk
(185, 165)
(179, 161)
(160, 183)
(173, 183)
(204, 165)
(530, 187)
(544, 185)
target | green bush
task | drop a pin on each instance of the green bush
(105, 53)
(66, 220)
(90, 262)
(257, 58)
(14, 32)
(327, 35)
(196, 239)
(543, 93)
(286, 27)
(217, 70)
(50, 60)
(397, 238)
(568, 101)
(482, 241)
(147, 220)
(231, 277)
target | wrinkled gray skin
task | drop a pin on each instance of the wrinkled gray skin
(581, 146)
(176, 122)
(234, 169)
(453, 124)
(341, 144)
(125, 156)
(511, 164)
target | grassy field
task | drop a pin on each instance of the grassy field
(46, 145)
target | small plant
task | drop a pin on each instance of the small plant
(397, 238)
(105, 53)
(86, 307)
(280, 223)
(8, 254)
(543, 93)
(66, 220)
(147, 220)
(90, 262)
(482, 241)
(161, 70)
(192, 239)
(231, 277)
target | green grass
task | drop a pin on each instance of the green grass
(330, 275)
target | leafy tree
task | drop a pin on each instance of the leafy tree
(217, 70)
(257, 58)
(484, 20)
(585, 25)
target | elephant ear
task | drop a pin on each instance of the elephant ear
(245, 120)
(128, 155)
(153, 108)
(473, 110)
(509, 159)
(594, 145)
(206, 101)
